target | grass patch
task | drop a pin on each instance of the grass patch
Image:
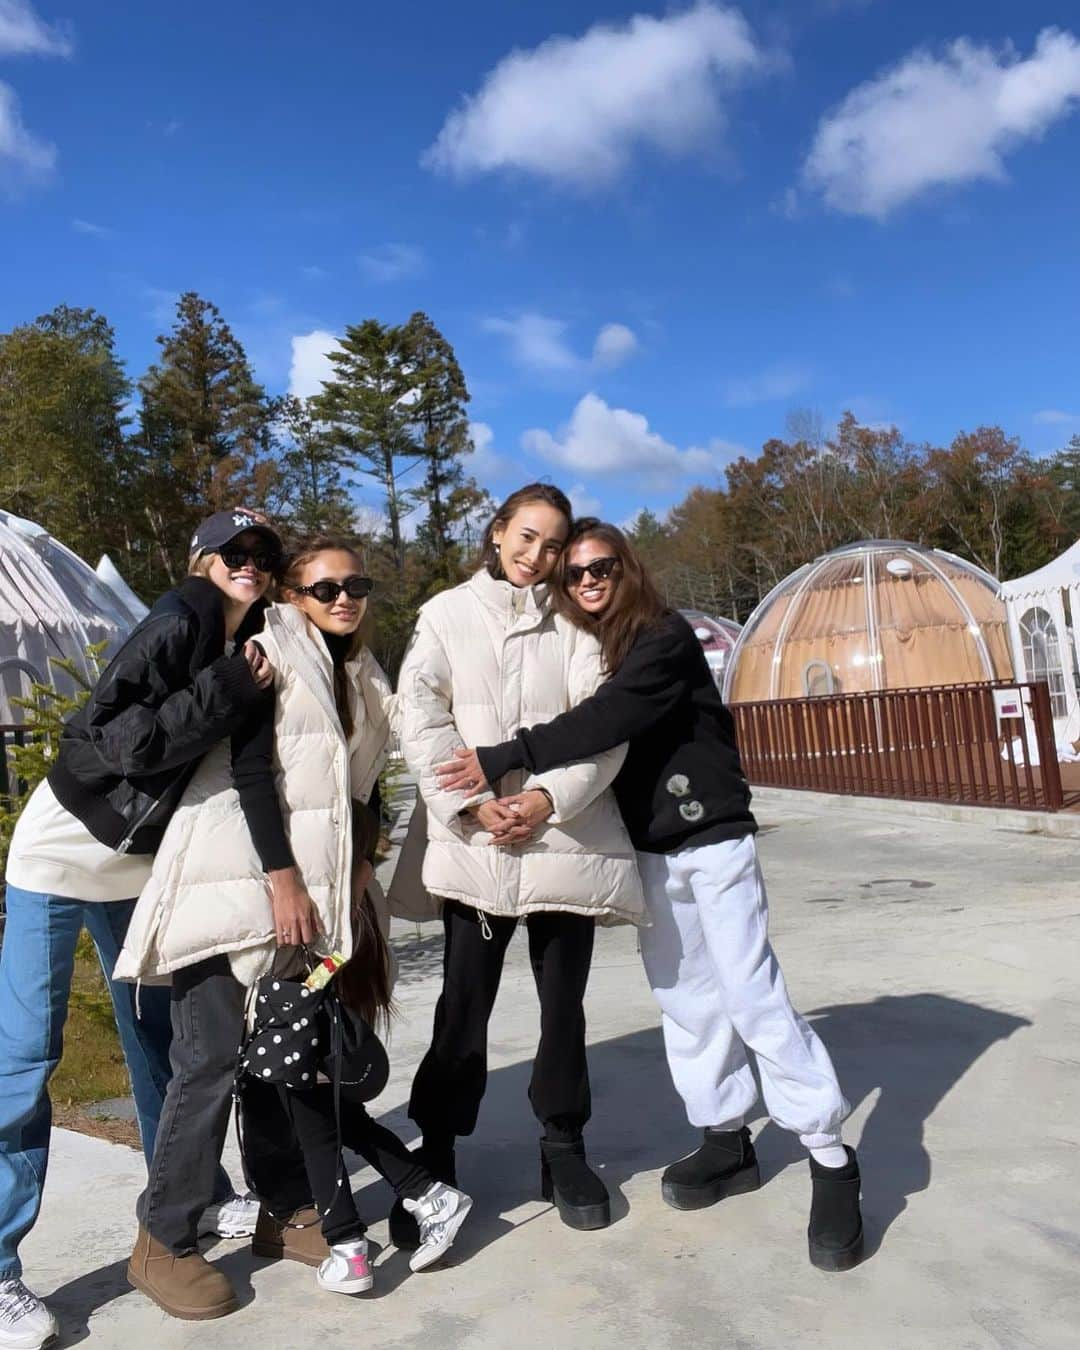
(92, 1068)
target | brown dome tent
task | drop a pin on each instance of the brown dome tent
(879, 614)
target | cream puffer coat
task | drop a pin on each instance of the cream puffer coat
(486, 659)
(208, 894)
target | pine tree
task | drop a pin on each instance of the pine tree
(439, 414)
(315, 498)
(205, 430)
(62, 451)
(367, 409)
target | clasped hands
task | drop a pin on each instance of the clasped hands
(509, 820)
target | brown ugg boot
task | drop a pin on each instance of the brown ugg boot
(184, 1286)
(277, 1242)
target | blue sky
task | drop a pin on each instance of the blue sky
(650, 231)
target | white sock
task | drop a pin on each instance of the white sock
(832, 1155)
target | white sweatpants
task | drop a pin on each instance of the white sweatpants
(721, 993)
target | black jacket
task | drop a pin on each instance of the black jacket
(682, 785)
(167, 696)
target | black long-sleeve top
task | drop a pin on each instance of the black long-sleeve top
(253, 778)
(682, 783)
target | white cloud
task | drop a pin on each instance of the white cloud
(484, 463)
(538, 343)
(312, 272)
(602, 440)
(583, 502)
(23, 156)
(770, 386)
(311, 362)
(88, 227)
(615, 343)
(932, 121)
(535, 342)
(392, 262)
(24, 33)
(1055, 417)
(575, 109)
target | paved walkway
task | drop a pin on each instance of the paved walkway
(939, 963)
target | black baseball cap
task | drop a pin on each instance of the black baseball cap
(223, 526)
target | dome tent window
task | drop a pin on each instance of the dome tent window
(879, 614)
(1042, 657)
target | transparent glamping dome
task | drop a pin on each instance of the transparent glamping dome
(881, 614)
(717, 638)
(52, 604)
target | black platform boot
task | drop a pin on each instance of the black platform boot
(439, 1160)
(725, 1164)
(566, 1178)
(836, 1230)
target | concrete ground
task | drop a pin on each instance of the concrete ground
(938, 960)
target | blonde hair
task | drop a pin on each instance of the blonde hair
(199, 565)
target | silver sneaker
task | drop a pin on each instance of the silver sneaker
(25, 1322)
(235, 1217)
(439, 1212)
(347, 1269)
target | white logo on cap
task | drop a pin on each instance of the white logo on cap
(241, 519)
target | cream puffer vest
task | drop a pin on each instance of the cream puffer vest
(486, 659)
(208, 894)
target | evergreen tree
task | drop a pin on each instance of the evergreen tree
(62, 451)
(439, 416)
(1064, 473)
(315, 498)
(367, 409)
(205, 430)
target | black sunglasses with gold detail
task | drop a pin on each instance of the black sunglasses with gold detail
(600, 569)
(326, 592)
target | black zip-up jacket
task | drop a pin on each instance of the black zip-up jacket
(167, 696)
(681, 785)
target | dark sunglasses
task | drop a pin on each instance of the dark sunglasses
(599, 569)
(326, 592)
(235, 558)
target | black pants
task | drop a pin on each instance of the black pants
(282, 1125)
(452, 1076)
(208, 1023)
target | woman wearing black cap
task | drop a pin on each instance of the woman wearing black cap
(84, 845)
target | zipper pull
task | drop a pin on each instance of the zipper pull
(485, 927)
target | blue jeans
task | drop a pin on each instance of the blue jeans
(36, 964)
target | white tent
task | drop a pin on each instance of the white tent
(52, 605)
(1042, 608)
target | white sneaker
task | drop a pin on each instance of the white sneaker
(235, 1217)
(440, 1212)
(346, 1270)
(25, 1322)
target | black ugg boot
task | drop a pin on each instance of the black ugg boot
(836, 1230)
(439, 1159)
(725, 1164)
(565, 1177)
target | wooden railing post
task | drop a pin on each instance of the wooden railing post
(938, 743)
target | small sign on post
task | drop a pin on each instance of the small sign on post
(1011, 702)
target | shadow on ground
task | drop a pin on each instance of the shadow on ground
(910, 1049)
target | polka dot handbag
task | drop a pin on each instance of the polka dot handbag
(288, 1029)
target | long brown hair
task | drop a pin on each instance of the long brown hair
(298, 559)
(635, 605)
(364, 981)
(531, 492)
